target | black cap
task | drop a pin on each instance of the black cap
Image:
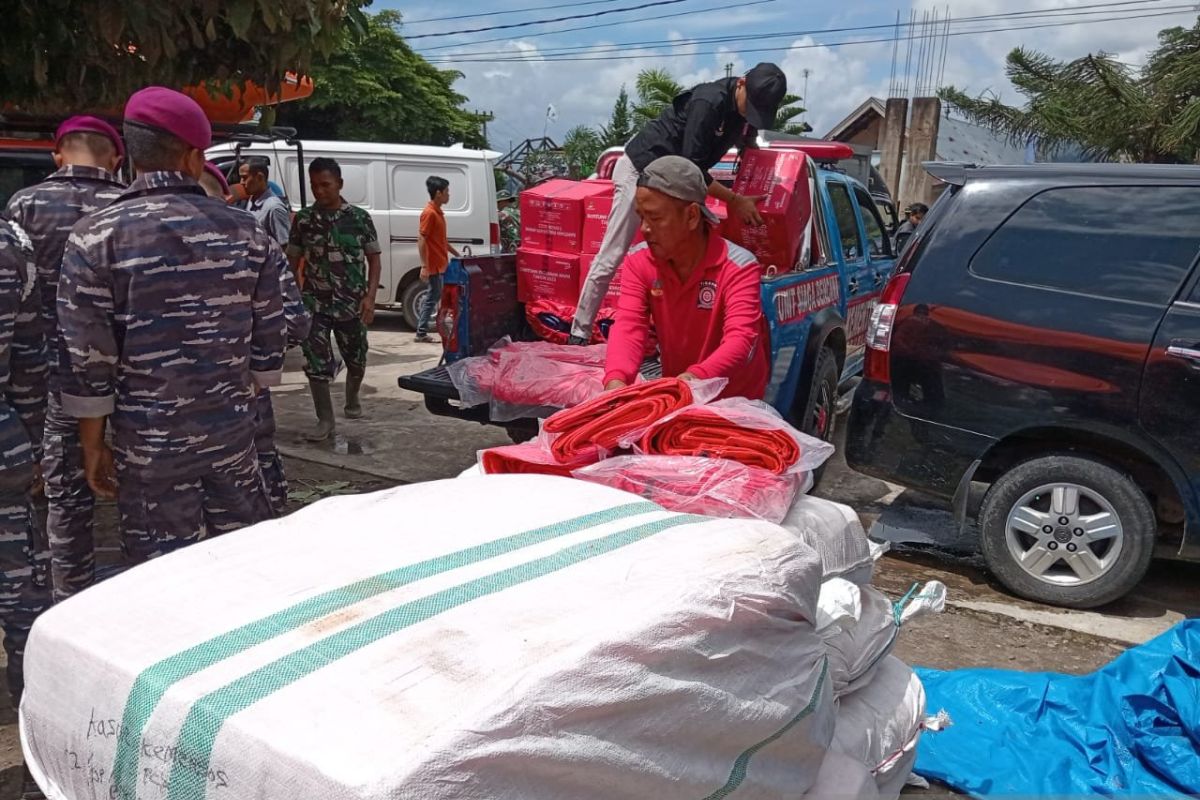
(765, 87)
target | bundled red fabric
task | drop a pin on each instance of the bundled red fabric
(712, 487)
(521, 459)
(602, 423)
(702, 431)
(551, 321)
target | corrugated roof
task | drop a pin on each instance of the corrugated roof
(963, 141)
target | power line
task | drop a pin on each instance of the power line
(508, 11)
(528, 23)
(912, 24)
(551, 59)
(722, 8)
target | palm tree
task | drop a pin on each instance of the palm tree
(789, 109)
(582, 146)
(656, 88)
(1110, 109)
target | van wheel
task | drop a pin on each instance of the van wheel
(1068, 531)
(820, 409)
(411, 299)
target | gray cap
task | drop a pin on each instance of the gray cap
(677, 177)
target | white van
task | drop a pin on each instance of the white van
(389, 181)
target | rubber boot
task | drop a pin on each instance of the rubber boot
(323, 402)
(353, 385)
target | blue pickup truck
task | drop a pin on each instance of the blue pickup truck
(818, 314)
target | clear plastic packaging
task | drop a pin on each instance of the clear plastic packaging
(747, 431)
(711, 487)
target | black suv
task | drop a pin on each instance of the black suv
(1042, 335)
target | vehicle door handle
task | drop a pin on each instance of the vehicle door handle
(1187, 353)
(853, 285)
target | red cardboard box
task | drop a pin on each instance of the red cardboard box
(543, 275)
(781, 175)
(552, 214)
(595, 220)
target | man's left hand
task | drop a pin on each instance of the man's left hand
(687, 376)
(367, 309)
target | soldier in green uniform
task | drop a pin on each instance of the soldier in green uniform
(341, 276)
(510, 221)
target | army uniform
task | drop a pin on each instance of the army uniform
(24, 584)
(510, 228)
(171, 314)
(47, 212)
(335, 246)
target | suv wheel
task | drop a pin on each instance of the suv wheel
(820, 409)
(1068, 531)
(410, 302)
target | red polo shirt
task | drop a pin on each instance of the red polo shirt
(712, 325)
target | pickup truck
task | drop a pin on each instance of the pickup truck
(818, 313)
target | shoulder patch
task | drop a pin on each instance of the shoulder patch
(740, 255)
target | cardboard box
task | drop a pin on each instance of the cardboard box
(552, 214)
(547, 275)
(782, 175)
(595, 219)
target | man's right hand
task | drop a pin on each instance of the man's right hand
(615, 383)
(746, 207)
(100, 470)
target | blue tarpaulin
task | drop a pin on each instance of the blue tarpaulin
(1130, 728)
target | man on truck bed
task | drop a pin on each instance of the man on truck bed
(700, 125)
(701, 291)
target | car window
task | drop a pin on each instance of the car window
(408, 185)
(1128, 243)
(19, 170)
(876, 238)
(847, 221)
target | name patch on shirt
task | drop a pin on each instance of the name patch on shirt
(706, 297)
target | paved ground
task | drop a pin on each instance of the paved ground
(399, 441)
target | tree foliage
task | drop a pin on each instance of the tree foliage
(620, 126)
(91, 54)
(582, 147)
(1110, 109)
(374, 87)
(790, 109)
(656, 88)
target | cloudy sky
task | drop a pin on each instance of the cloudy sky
(578, 66)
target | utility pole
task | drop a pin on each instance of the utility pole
(729, 70)
(484, 118)
(804, 72)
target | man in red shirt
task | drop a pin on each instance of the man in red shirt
(701, 291)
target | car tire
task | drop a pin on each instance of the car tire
(820, 407)
(410, 302)
(1097, 556)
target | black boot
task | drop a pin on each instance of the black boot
(323, 403)
(354, 382)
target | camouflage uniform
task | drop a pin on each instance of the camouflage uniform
(24, 588)
(170, 312)
(335, 246)
(47, 212)
(510, 228)
(298, 323)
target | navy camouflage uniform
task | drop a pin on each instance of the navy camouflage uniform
(298, 322)
(170, 310)
(24, 585)
(335, 246)
(47, 212)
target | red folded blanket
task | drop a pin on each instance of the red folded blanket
(603, 422)
(702, 431)
(529, 458)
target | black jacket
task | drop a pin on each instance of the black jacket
(701, 125)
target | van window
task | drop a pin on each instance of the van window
(847, 221)
(1127, 243)
(19, 170)
(408, 185)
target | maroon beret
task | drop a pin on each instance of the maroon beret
(172, 112)
(86, 124)
(215, 171)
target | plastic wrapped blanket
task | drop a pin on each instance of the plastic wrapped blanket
(712, 487)
(1132, 728)
(747, 431)
(600, 425)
